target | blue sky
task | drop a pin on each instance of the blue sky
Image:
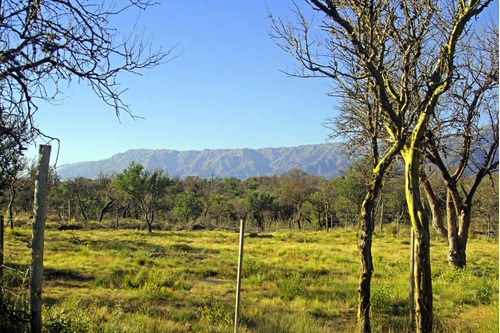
(225, 89)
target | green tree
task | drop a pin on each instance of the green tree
(296, 187)
(188, 206)
(259, 205)
(221, 209)
(147, 188)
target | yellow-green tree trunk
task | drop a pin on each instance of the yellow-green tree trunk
(420, 221)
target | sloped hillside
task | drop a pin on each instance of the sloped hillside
(323, 159)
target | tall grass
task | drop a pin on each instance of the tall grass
(184, 281)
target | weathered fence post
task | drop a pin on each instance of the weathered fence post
(381, 218)
(238, 281)
(488, 223)
(40, 215)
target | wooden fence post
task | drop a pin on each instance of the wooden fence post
(40, 215)
(238, 281)
(381, 217)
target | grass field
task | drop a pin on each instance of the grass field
(184, 281)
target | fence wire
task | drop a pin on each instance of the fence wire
(14, 281)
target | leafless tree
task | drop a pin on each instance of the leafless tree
(47, 44)
(402, 54)
(463, 139)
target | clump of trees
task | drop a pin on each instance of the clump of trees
(294, 200)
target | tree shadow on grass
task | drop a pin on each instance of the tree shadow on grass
(65, 274)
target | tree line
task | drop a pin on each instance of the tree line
(294, 200)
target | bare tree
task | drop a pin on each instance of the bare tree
(359, 121)
(463, 142)
(403, 53)
(45, 44)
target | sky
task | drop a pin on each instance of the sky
(225, 88)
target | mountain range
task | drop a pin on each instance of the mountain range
(321, 159)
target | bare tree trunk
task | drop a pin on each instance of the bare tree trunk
(125, 210)
(457, 256)
(327, 220)
(149, 220)
(59, 214)
(367, 225)
(437, 216)
(412, 280)
(299, 216)
(10, 207)
(420, 222)
(69, 210)
(423, 282)
(399, 221)
(364, 247)
(452, 230)
(238, 280)
(104, 209)
(82, 210)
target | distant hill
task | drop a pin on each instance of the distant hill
(322, 159)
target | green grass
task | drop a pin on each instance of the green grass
(184, 281)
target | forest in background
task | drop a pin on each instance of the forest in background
(151, 199)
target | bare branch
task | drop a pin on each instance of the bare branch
(45, 43)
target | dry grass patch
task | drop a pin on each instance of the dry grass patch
(184, 281)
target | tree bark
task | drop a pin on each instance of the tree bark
(367, 224)
(125, 210)
(104, 209)
(437, 216)
(364, 247)
(420, 222)
(149, 216)
(423, 283)
(299, 216)
(458, 236)
(82, 210)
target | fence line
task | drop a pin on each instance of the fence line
(19, 294)
(15, 288)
